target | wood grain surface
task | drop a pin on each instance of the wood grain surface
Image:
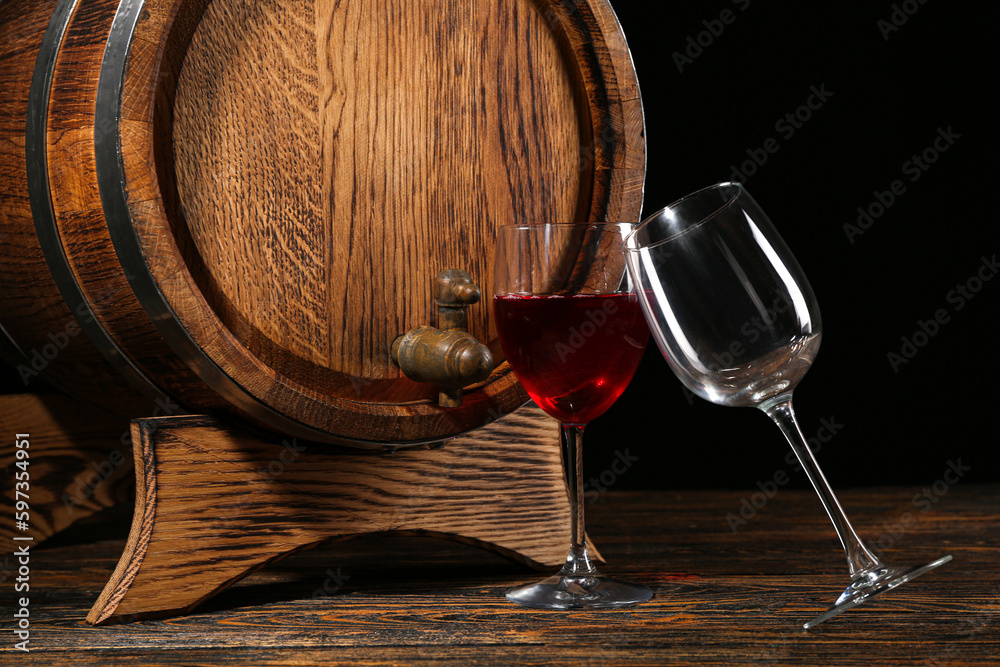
(214, 504)
(80, 462)
(348, 152)
(722, 599)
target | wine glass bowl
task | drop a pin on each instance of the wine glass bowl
(557, 346)
(733, 314)
(742, 325)
(571, 327)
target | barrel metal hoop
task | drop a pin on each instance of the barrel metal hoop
(37, 172)
(111, 181)
(9, 348)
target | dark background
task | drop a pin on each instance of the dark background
(891, 92)
(889, 98)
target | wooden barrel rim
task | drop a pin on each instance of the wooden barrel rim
(211, 354)
(42, 210)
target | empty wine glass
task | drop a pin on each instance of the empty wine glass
(572, 330)
(733, 313)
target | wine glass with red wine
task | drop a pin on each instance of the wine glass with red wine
(736, 319)
(573, 332)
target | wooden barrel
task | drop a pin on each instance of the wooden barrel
(236, 206)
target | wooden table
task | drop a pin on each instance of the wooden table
(722, 597)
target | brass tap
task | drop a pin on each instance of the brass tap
(447, 356)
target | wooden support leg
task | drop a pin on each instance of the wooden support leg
(214, 504)
(79, 462)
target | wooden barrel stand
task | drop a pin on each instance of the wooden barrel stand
(214, 504)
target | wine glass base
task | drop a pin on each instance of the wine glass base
(579, 592)
(872, 584)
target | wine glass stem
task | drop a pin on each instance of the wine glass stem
(860, 559)
(578, 561)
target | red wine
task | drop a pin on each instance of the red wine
(573, 354)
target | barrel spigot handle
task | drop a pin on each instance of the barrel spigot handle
(447, 356)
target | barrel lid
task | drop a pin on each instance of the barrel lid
(294, 174)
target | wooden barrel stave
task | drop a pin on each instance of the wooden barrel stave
(71, 132)
(42, 335)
